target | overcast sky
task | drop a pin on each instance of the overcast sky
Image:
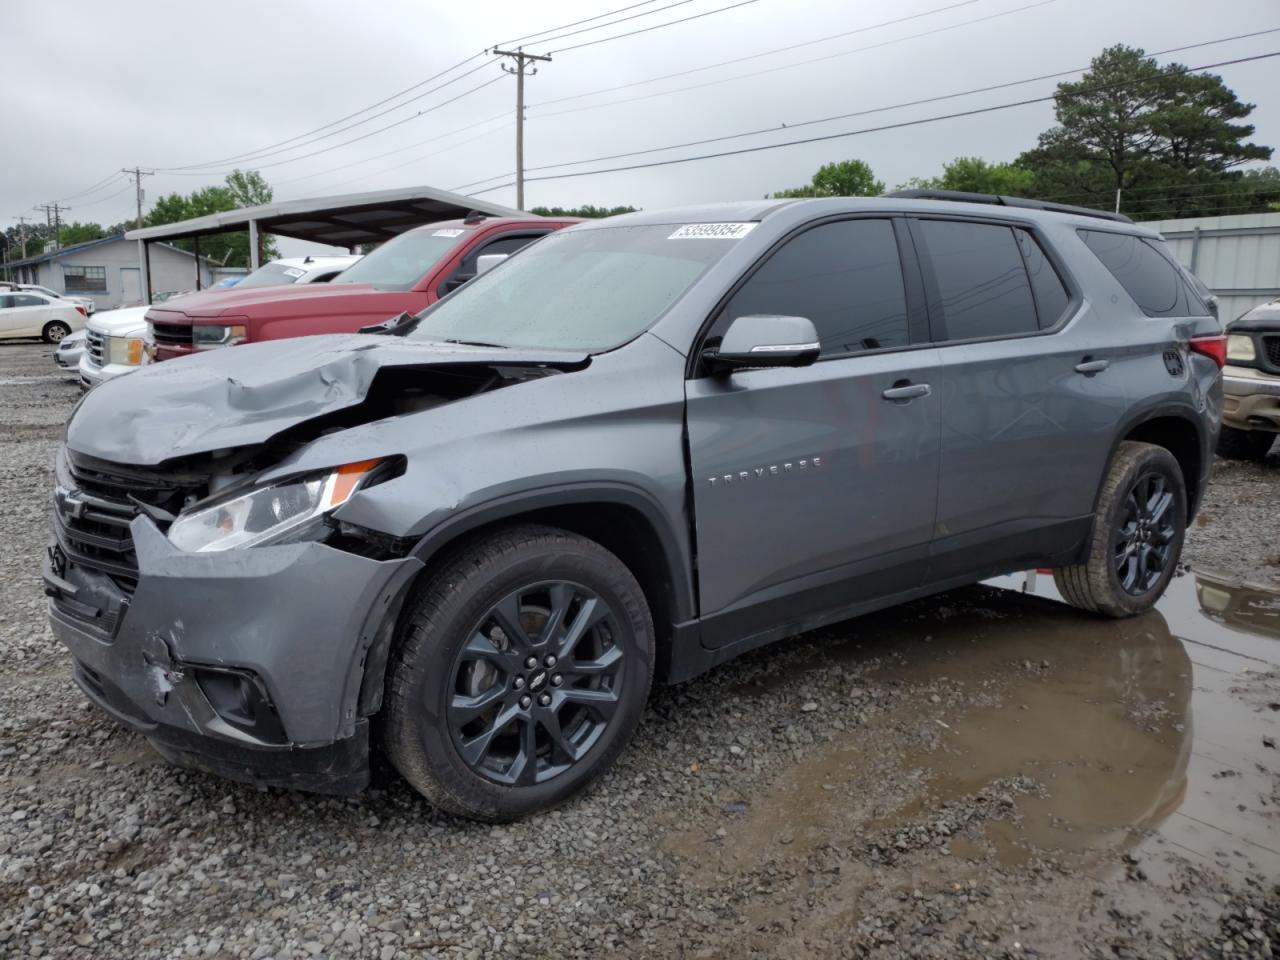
(92, 87)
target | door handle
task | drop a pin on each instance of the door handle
(1089, 367)
(902, 391)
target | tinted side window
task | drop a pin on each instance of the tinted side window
(982, 286)
(845, 277)
(1147, 275)
(5, 301)
(1051, 296)
(26, 300)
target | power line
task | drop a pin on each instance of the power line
(101, 184)
(852, 133)
(601, 26)
(756, 56)
(417, 143)
(658, 26)
(565, 26)
(262, 155)
(363, 136)
(860, 113)
(801, 63)
(426, 156)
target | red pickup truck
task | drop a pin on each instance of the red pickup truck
(405, 274)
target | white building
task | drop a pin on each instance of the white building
(108, 271)
(1237, 257)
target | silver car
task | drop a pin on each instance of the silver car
(635, 449)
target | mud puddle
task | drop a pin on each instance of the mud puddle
(1021, 732)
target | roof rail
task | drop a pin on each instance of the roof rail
(961, 197)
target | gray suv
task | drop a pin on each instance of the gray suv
(639, 448)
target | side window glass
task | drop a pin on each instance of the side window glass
(467, 268)
(1147, 275)
(844, 276)
(1050, 293)
(982, 286)
(5, 302)
(26, 300)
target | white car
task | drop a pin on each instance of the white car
(69, 351)
(113, 345)
(297, 270)
(86, 302)
(27, 314)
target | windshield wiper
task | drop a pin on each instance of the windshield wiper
(476, 343)
(396, 326)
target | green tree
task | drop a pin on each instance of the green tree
(589, 211)
(975, 175)
(846, 178)
(73, 233)
(241, 189)
(1168, 140)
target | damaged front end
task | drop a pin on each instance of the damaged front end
(230, 618)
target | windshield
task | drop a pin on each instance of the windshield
(272, 275)
(400, 263)
(590, 290)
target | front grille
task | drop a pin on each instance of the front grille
(95, 347)
(1271, 346)
(94, 505)
(171, 334)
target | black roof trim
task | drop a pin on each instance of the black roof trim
(1028, 204)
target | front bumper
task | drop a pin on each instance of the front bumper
(1251, 399)
(91, 374)
(285, 629)
(68, 360)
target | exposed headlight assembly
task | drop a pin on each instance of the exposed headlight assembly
(269, 513)
(124, 350)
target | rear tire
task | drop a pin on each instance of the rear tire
(54, 331)
(1236, 444)
(468, 722)
(1136, 538)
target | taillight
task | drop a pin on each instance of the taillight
(1215, 348)
(80, 310)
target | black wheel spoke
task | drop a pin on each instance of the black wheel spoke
(476, 749)
(606, 663)
(590, 613)
(506, 614)
(1145, 535)
(536, 684)
(603, 703)
(464, 709)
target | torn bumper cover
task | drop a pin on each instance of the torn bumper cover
(244, 663)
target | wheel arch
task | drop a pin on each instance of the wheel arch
(1181, 431)
(622, 519)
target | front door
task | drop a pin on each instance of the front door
(813, 491)
(27, 315)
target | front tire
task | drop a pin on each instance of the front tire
(1236, 444)
(1137, 534)
(54, 331)
(520, 672)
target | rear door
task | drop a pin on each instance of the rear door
(1029, 404)
(813, 491)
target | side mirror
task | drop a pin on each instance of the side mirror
(487, 261)
(765, 341)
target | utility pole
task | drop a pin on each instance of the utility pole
(522, 60)
(138, 173)
(53, 218)
(22, 233)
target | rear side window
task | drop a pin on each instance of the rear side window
(1152, 279)
(845, 276)
(982, 290)
(1050, 293)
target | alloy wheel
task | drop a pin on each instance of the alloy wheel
(1143, 543)
(536, 683)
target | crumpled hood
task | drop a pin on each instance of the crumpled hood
(237, 396)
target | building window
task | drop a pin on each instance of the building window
(84, 279)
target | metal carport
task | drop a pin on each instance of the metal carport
(344, 221)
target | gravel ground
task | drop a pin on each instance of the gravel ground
(887, 788)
